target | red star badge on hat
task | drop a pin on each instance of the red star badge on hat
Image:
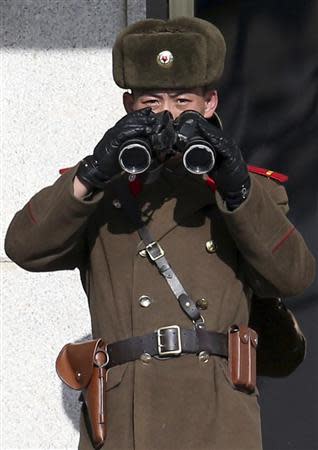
(165, 58)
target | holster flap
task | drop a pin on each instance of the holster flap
(75, 363)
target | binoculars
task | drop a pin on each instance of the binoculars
(170, 138)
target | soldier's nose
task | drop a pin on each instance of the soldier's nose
(171, 110)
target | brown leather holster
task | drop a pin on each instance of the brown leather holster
(242, 343)
(82, 367)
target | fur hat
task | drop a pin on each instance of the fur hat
(181, 53)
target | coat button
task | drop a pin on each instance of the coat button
(145, 301)
(210, 246)
(245, 338)
(116, 203)
(145, 358)
(202, 303)
(143, 253)
(203, 357)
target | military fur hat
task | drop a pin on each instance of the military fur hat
(180, 53)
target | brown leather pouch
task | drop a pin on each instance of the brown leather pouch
(242, 343)
(281, 343)
(82, 367)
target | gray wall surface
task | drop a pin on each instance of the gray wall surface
(57, 100)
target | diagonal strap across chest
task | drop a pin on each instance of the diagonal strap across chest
(157, 256)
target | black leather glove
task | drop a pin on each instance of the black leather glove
(230, 170)
(97, 169)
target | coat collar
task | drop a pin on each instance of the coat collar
(172, 200)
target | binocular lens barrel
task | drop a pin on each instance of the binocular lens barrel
(199, 158)
(134, 157)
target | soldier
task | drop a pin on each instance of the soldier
(219, 237)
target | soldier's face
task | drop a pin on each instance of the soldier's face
(174, 101)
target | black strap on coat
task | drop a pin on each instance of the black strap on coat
(157, 255)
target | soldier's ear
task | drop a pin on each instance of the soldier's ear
(128, 101)
(210, 103)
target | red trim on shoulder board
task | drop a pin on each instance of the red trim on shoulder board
(268, 173)
(64, 170)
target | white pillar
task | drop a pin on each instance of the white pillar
(58, 99)
(178, 8)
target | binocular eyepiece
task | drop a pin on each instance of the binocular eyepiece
(199, 157)
(136, 155)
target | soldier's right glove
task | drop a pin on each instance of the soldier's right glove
(230, 171)
(99, 168)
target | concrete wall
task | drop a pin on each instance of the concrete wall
(58, 98)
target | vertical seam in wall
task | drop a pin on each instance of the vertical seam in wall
(126, 12)
(184, 8)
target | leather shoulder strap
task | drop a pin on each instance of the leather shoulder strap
(157, 255)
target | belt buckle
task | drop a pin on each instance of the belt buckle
(169, 348)
(154, 251)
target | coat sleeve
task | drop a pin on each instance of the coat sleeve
(276, 260)
(49, 232)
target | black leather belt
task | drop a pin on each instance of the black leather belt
(167, 342)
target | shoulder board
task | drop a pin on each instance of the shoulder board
(268, 173)
(64, 170)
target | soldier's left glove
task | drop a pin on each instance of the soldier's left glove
(230, 170)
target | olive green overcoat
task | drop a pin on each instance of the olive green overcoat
(180, 403)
